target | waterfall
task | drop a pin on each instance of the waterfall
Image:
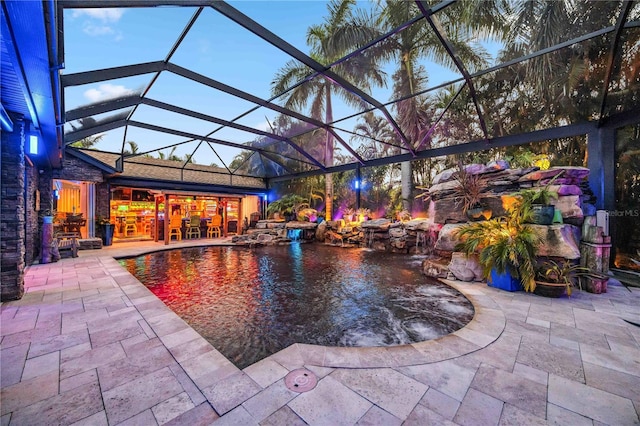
(294, 234)
(369, 238)
(421, 239)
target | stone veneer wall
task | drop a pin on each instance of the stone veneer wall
(103, 195)
(75, 169)
(12, 211)
(32, 244)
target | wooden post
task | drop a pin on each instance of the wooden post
(167, 217)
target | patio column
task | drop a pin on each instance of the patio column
(12, 213)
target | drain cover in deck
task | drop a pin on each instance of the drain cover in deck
(301, 380)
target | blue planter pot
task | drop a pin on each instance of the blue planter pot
(107, 233)
(504, 281)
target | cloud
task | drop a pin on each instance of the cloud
(98, 21)
(97, 30)
(104, 15)
(107, 91)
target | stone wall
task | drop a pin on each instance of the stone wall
(75, 169)
(103, 195)
(12, 211)
(32, 231)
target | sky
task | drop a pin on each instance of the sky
(215, 47)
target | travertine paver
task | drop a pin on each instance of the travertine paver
(387, 388)
(478, 408)
(330, 402)
(90, 345)
(590, 402)
(442, 404)
(269, 401)
(515, 390)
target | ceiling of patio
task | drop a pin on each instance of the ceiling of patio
(200, 87)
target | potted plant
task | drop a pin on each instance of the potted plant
(553, 278)
(506, 247)
(468, 194)
(539, 198)
(106, 230)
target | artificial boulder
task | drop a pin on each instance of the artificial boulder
(435, 267)
(558, 240)
(321, 231)
(378, 224)
(447, 238)
(570, 208)
(465, 268)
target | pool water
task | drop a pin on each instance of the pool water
(250, 304)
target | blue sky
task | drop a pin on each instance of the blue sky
(215, 47)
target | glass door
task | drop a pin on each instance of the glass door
(625, 219)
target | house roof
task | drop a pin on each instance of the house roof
(144, 169)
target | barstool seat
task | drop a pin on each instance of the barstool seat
(213, 226)
(194, 227)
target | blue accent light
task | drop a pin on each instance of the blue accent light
(357, 184)
(56, 194)
(265, 197)
(33, 144)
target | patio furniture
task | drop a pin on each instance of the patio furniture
(213, 226)
(67, 242)
(232, 226)
(194, 227)
(175, 225)
(130, 226)
(147, 225)
(73, 223)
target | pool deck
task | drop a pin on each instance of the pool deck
(89, 345)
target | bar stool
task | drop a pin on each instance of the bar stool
(213, 226)
(194, 227)
(130, 226)
(175, 226)
(146, 225)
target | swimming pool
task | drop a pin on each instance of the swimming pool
(250, 304)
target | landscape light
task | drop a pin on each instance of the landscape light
(33, 144)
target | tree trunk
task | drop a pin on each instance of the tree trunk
(328, 157)
(328, 191)
(406, 178)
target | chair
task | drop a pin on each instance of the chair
(146, 225)
(213, 226)
(232, 226)
(130, 226)
(194, 227)
(175, 226)
(67, 241)
(74, 223)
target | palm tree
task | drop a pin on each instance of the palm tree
(89, 141)
(417, 42)
(340, 33)
(133, 148)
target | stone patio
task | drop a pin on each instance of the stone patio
(89, 345)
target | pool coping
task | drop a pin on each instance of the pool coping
(485, 327)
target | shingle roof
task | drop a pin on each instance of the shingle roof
(154, 168)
